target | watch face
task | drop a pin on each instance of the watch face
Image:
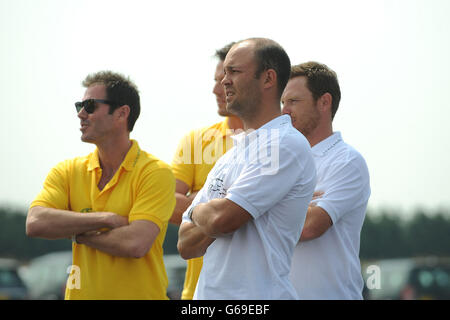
(190, 213)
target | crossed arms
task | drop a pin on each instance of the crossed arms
(123, 239)
(209, 221)
(221, 216)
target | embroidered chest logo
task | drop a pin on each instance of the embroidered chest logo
(216, 187)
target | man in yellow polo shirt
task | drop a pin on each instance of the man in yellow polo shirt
(196, 155)
(115, 203)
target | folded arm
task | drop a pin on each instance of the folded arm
(209, 221)
(50, 223)
(192, 242)
(183, 201)
(130, 241)
(317, 220)
(219, 217)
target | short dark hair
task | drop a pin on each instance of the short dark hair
(119, 89)
(222, 52)
(270, 55)
(320, 80)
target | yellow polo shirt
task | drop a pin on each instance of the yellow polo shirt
(196, 155)
(143, 188)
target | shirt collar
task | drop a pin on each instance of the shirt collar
(272, 124)
(132, 156)
(94, 162)
(277, 122)
(324, 146)
(128, 163)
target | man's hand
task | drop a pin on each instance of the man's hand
(133, 240)
(114, 220)
(316, 195)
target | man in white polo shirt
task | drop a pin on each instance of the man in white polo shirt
(248, 217)
(326, 262)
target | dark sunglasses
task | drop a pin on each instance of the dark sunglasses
(89, 105)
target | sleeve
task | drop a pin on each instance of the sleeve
(55, 191)
(347, 188)
(155, 199)
(257, 189)
(183, 160)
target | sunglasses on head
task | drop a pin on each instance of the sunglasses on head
(89, 105)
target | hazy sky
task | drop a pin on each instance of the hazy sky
(392, 58)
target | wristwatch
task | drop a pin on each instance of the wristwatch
(191, 210)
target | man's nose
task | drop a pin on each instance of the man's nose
(82, 114)
(218, 88)
(226, 80)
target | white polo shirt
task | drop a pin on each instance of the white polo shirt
(270, 173)
(328, 267)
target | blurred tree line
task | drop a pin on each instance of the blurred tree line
(384, 235)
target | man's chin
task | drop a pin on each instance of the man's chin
(235, 109)
(86, 139)
(224, 113)
(222, 110)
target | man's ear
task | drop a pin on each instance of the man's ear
(123, 112)
(325, 102)
(270, 78)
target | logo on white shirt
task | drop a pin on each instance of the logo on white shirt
(216, 188)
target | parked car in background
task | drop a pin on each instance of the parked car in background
(46, 276)
(11, 285)
(408, 279)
